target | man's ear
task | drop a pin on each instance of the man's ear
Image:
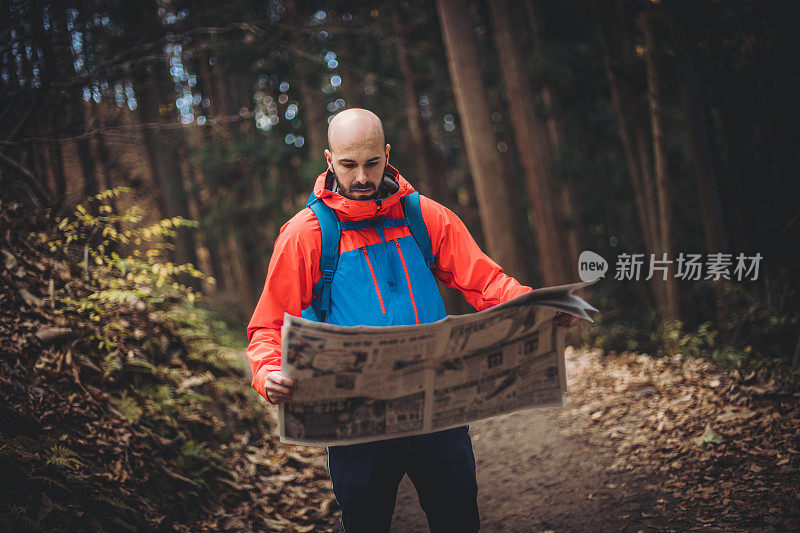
(329, 159)
(388, 147)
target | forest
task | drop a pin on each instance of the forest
(151, 151)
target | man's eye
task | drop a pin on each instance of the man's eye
(348, 165)
(372, 163)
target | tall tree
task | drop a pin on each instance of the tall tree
(428, 165)
(699, 138)
(493, 192)
(660, 158)
(618, 61)
(531, 140)
(566, 205)
(156, 105)
(78, 109)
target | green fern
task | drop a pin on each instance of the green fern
(137, 364)
(64, 457)
(116, 506)
(111, 363)
(128, 408)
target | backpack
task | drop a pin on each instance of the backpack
(331, 229)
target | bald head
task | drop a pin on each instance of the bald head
(357, 153)
(354, 126)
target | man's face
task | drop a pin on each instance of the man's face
(358, 167)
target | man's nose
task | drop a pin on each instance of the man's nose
(361, 177)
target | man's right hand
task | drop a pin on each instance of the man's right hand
(280, 388)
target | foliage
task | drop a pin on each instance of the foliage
(758, 337)
(121, 390)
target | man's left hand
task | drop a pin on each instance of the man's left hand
(566, 320)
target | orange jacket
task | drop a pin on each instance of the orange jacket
(294, 266)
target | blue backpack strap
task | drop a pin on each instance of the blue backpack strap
(417, 226)
(329, 256)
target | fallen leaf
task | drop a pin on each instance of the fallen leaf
(735, 413)
(709, 436)
(49, 335)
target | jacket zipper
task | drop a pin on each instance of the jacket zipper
(374, 279)
(408, 279)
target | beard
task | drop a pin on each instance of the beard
(365, 191)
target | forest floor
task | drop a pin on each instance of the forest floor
(643, 444)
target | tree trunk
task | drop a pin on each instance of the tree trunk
(566, 203)
(223, 243)
(701, 152)
(615, 44)
(531, 140)
(213, 235)
(80, 111)
(202, 199)
(429, 167)
(56, 155)
(699, 137)
(492, 189)
(77, 120)
(316, 125)
(429, 181)
(85, 156)
(350, 88)
(670, 310)
(220, 102)
(164, 166)
(107, 161)
(618, 62)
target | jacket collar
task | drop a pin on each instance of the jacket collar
(348, 209)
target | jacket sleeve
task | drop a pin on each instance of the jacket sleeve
(461, 264)
(293, 269)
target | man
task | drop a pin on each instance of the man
(382, 279)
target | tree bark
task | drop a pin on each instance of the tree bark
(670, 309)
(85, 156)
(202, 199)
(701, 152)
(80, 110)
(316, 125)
(531, 140)
(700, 149)
(56, 155)
(617, 62)
(492, 189)
(430, 182)
(566, 204)
(161, 150)
(351, 87)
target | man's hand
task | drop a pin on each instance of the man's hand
(566, 320)
(279, 388)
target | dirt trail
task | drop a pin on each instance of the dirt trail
(613, 461)
(536, 472)
(535, 475)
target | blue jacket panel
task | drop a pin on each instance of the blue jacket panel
(370, 287)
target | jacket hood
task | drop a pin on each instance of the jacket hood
(348, 209)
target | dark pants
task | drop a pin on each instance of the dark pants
(440, 465)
